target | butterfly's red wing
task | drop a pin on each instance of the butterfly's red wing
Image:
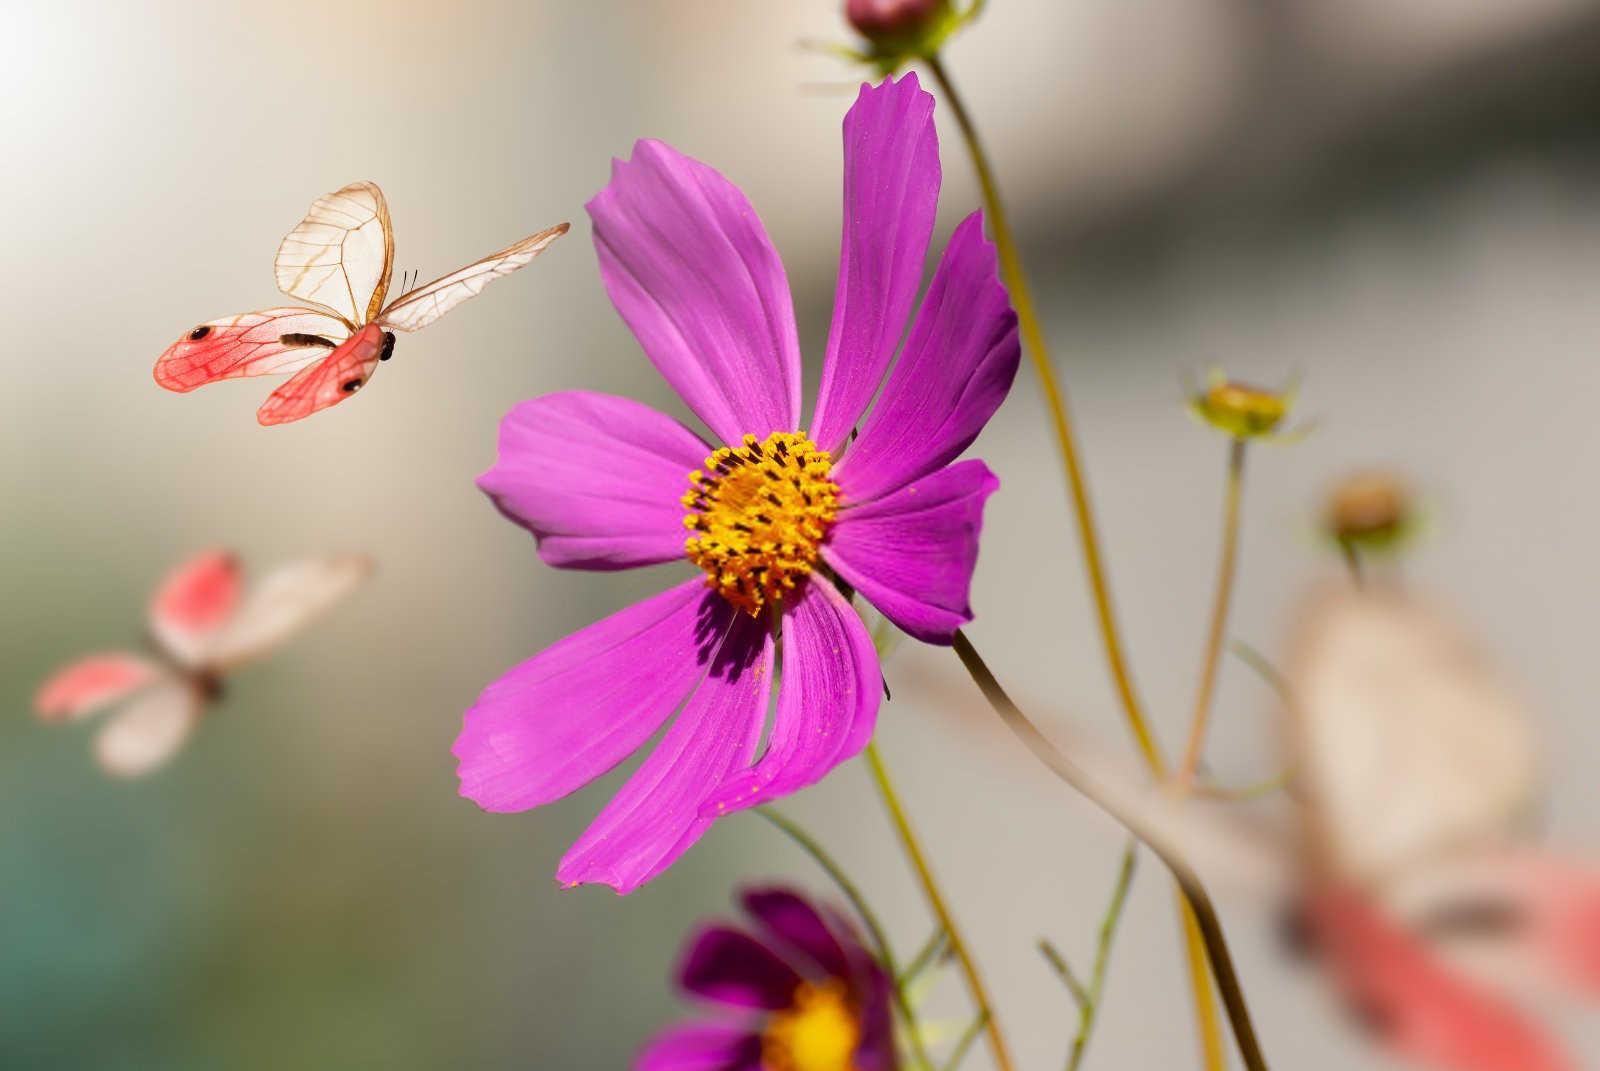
(261, 343)
(329, 381)
(194, 602)
(1414, 1003)
(87, 685)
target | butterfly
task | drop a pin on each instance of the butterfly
(1420, 891)
(203, 625)
(338, 261)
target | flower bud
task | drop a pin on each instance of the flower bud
(895, 20)
(1372, 510)
(1239, 409)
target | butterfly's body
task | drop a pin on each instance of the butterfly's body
(200, 630)
(339, 261)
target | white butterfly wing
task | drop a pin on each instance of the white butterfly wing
(1408, 745)
(424, 305)
(341, 255)
(148, 731)
(285, 602)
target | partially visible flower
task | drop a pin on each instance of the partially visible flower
(1239, 409)
(899, 32)
(770, 517)
(808, 996)
(1371, 510)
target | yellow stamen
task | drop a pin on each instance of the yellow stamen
(818, 1032)
(759, 512)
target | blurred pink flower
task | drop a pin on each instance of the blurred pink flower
(606, 483)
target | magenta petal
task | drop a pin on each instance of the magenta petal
(911, 552)
(891, 196)
(731, 967)
(701, 1047)
(579, 707)
(792, 922)
(595, 478)
(827, 702)
(690, 268)
(656, 816)
(956, 369)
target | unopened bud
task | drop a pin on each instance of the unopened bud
(1372, 509)
(895, 21)
(1239, 409)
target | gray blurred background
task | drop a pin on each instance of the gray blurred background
(1399, 202)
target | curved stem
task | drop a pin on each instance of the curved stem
(875, 932)
(930, 888)
(1055, 398)
(1226, 571)
(1199, 901)
(1099, 586)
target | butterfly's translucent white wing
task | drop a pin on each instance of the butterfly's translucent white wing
(285, 602)
(261, 343)
(425, 304)
(89, 684)
(1407, 744)
(150, 730)
(193, 603)
(339, 374)
(341, 254)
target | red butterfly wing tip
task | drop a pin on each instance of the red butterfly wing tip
(1419, 1007)
(88, 683)
(1565, 899)
(328, 382)
(201, 593)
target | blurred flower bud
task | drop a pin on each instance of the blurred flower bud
(1241, 410)
(895, 20)
(899, 32)
(1373, 510)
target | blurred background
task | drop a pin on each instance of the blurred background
(1398, 202)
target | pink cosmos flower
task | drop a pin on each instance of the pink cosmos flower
(608, 483)
(808, 996)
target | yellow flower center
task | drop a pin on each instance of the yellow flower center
(818, 1032)
(759, 512)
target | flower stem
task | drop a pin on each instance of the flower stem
(1099, 585)
(1055, 398)
(1199, 901)
(1226, 571)
(875, 932)
(1089, 1011)
(930, 888)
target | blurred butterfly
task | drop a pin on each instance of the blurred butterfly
(338, 261)
(203, 626)
(1417, 771)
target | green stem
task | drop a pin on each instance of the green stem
(1227, 570)
(875, 932)
(1194, 892)
(1089, 1008)
(1099, 584)
(936, 900)
(1055, 398)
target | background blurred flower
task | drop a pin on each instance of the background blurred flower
(603, 483)
(812, 998)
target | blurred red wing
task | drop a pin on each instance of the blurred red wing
(88, 684)
(328, 382)
(1413, 1003)
(250, 344)
(193, 603)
